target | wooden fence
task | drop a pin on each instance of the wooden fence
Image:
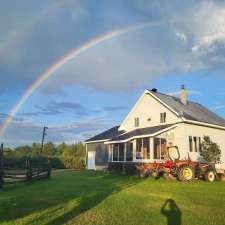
(11, 175)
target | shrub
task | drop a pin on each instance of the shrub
(210, 151)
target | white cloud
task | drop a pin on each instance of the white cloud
(193, 41)
(181, 36)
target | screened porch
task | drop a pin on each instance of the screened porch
(145, 149)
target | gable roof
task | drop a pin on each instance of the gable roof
(106, 135)
(114, 135)
(192, 111)
(141, 132)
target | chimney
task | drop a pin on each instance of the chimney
(183, 95)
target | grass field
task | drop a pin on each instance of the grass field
(100, 198)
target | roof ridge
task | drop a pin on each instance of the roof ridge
(177, 98)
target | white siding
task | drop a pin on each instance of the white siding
(183, 131)
(147, 108)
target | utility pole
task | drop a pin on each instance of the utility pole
(43, 138)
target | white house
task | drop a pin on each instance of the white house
(155, 122)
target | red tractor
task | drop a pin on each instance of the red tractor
(184, 170)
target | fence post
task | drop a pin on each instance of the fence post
(1, 166)
(29, 170)
(49, 169)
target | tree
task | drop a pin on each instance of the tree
(49, 149)
(61, 148)
(36, 149)
(22, 151)
(210, 150)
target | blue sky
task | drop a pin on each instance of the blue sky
(96, 90)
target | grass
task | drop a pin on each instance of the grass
(89, 198)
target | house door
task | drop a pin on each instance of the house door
(91, 160)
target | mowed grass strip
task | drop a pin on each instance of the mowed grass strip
(85, 197)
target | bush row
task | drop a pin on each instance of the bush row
(57, 162)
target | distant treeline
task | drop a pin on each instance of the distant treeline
(62, 156)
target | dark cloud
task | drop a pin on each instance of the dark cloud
(54, 108)
(29, 132)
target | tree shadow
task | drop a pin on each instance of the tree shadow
(86, 188)
(172, 212)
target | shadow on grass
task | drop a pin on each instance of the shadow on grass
(87, 189)
(172, 212)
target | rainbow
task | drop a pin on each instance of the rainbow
(65, 59)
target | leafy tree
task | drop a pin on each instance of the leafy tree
(61, 148)
(49, 149)
(210, 151)
(22, 151)
(36, 149)
(62, 156)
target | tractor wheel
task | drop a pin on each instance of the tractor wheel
(186, 173)
(210, 176)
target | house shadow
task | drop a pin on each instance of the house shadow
(87, 189)
(107, 185)
(172, 212)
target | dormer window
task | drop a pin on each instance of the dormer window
(162, 117)
(136, 122)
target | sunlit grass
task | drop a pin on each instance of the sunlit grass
(100, 198)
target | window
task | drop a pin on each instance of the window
(110, 153)
(162, 117)
(142, 148)
(199, 144)
(160, 148)
(146, 149)
(194, 144)
(136, 122)
(163, 149)
(121, 152)
(190, 144)
(115, 152)
(156, 148)
(138, 148)
(118, 152)
(129, 151)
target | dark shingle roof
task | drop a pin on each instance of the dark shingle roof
(141, 131)
(108, 134)
(191, 111)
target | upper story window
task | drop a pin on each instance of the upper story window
(162, 117)
(136, 122)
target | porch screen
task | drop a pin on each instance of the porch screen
(115, 152)
(146, 149)
(138, 148)
(121, 152)
(129, 151)
(156, 148)
(159, 148)
(142, 148)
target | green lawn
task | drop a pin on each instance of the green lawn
(101, 198)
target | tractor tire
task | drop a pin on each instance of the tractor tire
(210, 176)
(186, 173)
